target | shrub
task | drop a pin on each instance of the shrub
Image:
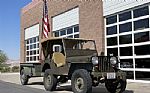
(5, 69)
(15, 69)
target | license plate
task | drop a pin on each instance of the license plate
(111, 75)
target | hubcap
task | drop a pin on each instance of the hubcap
(48, 81)
(79, 84)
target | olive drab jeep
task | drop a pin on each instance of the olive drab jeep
(78, 60)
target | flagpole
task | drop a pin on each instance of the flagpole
(42, 21)
(42, 34)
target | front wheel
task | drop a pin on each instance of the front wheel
(50, 81)
(23, 77)
(81, 81)
(114, 86)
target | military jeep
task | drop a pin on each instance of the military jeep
(77, 60)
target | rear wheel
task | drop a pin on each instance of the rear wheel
(23, 77)
(81, 81)
(114, 86)
(50, 81)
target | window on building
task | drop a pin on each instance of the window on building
(141, 75)
(126, 63)
(142, 50)
(34, 39)
(31, 47)
(56, 34)
(38, 58)
(142, 63)
(111, 19)
(69, 31)
(71, 36)
(37, 52)
(125, 27)
(125, 39)
(113, 51)
(31, 41)
(111, 30)
(27, 53)
(37, 45)
(31, 52)
(37, 38)
(125, 16)
(27, 42)
(34, 58)
(63, 32)
(27, 58)
(34, 52)
(140, 12)
(31, 59)
(76, 36)
(27, 47)
(125, 51)
(141, 37)
(141, 24)
(129, 74)
(34, 46)
(111, 41)
(76, 29)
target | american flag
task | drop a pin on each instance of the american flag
(46, 26)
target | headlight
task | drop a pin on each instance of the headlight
(95, 60)
(113, 60)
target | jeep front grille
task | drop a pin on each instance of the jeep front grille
(104, 64)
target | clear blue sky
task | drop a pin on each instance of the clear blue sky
(10, 26)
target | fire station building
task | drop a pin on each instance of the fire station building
(119, 27)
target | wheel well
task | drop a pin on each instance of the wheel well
(75, 66)
(46, 66)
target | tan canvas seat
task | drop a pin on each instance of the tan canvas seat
(59, 59)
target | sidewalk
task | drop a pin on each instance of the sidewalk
(137, 87)
(17, 73)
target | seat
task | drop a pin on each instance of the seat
(59, 59)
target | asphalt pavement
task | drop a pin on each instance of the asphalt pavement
(10, 83)
(6, 87)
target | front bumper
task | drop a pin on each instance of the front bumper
(105, 75)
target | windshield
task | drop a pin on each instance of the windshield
(80, 48)
(80, 44)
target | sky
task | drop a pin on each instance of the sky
(10, 27)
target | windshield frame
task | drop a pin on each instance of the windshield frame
(69, 44)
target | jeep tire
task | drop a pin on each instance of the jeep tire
(50, 81)
(115, 86)
(81, 81)
(23, 77)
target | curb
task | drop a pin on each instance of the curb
(9, 73)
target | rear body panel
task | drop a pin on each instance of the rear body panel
(31, 69)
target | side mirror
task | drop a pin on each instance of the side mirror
(57, 48)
